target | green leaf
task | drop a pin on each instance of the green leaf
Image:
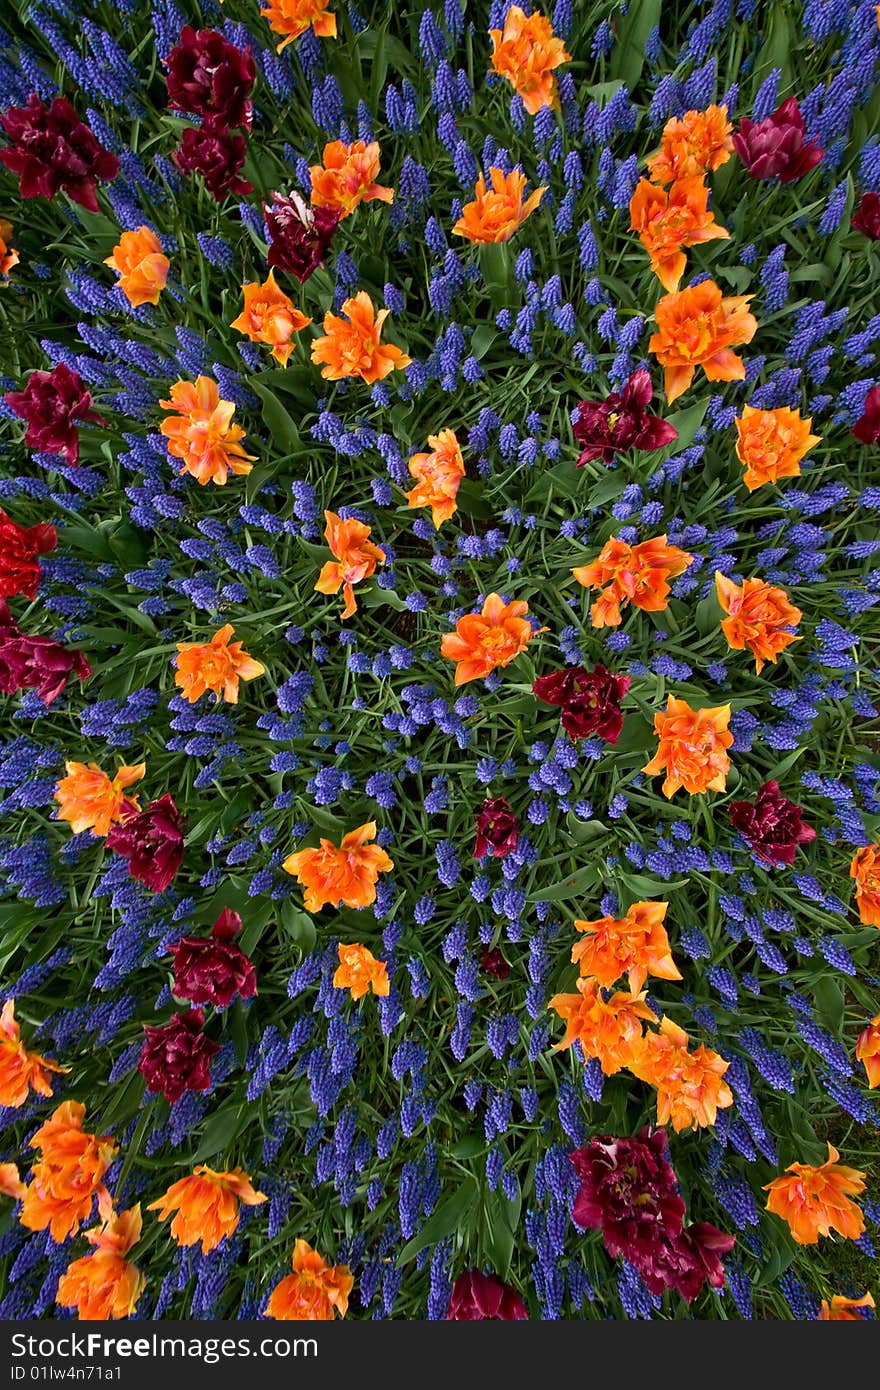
(281, 426)
(299, 926)
(376, 597)
(643, 888)
(571, 887)
(687, 422)
(221, 1129)
(444, 1222)
(472, 502)
(828, 993)
(482, 340)
(500, 1222)
(584, 830)
(124, 1102)
(628, 54)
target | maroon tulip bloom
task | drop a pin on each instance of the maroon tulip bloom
(867, 427)
(695, 1257)
(217, 156)
(152, 842)
(775, 148)
(50, 403)
(477, 1297)
(866, 217)
(771, 825)
(211, 77)
(51, 149)
(494, 963)
(299, 235)
(497, 828)
(210, 970)
(629, 1192)
(35, 663)
(176, 1056)
(589, 701)
(19, 548)
(607, 428)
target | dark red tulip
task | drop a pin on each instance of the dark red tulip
(867, 427)
(152, 842)
(630, 1193)
(210, 970)
(776, 148)
(19, 548)
(771, 825)
(176, 1056)
(588, 701)
(215, 154)
(51, 403)
(866, 217)
(477, 1297)
(51, 148)
(35, 663)
(607, 428)
(299, 235)
(494, 963)
(497, 828)
(208, 76)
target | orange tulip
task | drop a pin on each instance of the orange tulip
(491, 638)
(8, 254)
(201, 433)
(359, 971)
(526, 51)
(142, 269)
(11, 1184)
(635, 945)
(21, 1071)
(270, 317)
(816, 1201)
(312, 1291)
(692, 747)
(609, 1029)
(351, 347)
(637, 574)
(496, 213)
(865, 869)
(347, 177)
(345, 874)
(438, 475)
(842, 1309)
(667, 221)
(104, 1284)
(68, 1176)
(690, 1085)
(868, 1051)
(293, 17)
(694, 144)
(759, 617)
(207, 1205)
(355, 559)
(217, 666)
(771, 443)
(697, 327)
(89, 800)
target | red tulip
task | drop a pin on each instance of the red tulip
(210, 970)
(176, 1056)
(51, 148)
(775, 148)
(607, 428)
(152, 842)
(211, 77)
(215, 154)
(19, 548)
(477, 1297)
(771, 825)
(299, 235)
(35, 663)
(50, 403)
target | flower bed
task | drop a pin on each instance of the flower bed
(438, 571)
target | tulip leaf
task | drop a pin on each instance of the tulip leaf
(220, 1130)
(571, 887)
(628, 54)
(445, 1221)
